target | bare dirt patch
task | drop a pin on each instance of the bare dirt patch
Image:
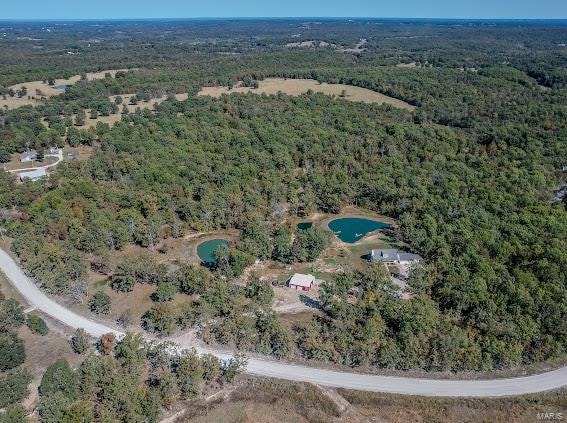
(296, 87)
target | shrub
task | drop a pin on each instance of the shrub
(37, 325)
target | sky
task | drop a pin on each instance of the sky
(135, 9)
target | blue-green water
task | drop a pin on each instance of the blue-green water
(353, 229)
(206, 249)
(302, 226)
(61, 87)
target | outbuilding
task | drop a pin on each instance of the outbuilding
(34, 175)
(301, 282)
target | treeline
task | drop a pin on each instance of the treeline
(130, 380)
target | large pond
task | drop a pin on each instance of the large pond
(353, 229)
(205, 250)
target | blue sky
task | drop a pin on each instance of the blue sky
(119, 9)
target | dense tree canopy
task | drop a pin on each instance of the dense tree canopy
(470, 175)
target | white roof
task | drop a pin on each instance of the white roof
(33, 174)
(302, 280)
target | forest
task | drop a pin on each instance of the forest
(470, 176)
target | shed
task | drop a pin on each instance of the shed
(301, 282)
(33, 175)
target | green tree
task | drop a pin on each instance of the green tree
(164, 292)
(11, 315)
(52, 408)
(59, 378)
(14, 414)
(189, 371)
(80, 341)
(260, 292)
(14, 386)
(12, 351)
(100, 303)
(123, 279)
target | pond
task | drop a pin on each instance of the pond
(353, 229)
(205, 250)
(302, 226)
(61, 87)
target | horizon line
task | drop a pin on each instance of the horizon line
(78, 19)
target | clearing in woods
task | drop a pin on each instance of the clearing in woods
(295, 87)
(39, 91)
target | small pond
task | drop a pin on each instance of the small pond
(61, 87)
(205, 250)
(302, 226)
(353, 229)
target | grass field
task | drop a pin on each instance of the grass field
(39, 91)
(271, 400)
(295, 87)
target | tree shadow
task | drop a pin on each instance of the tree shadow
(309, 302)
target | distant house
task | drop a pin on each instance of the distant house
(28, 156)
(394, 256)
(301, 282)
(33, 175)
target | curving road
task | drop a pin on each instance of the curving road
(269, 368)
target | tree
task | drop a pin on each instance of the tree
(52, 407)
(255, 240)
(211, 367)
(130, 352)
(79, 341)
(125, 319)
(189, 371)
(11, 315)
(260, 292)
(12, 351)
(14, 414)
(106, 343)
(191, 280)
(59, 378)
(80, 118)
(123, 279)
(14, 386)
(100, 303)
(309, 244)
(164, 292)
(282, 244)
(233, 367)
(161, 319)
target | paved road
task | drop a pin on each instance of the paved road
(399, 385)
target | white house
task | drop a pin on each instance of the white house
(301, 282)
(394, 256)
(33, 175)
